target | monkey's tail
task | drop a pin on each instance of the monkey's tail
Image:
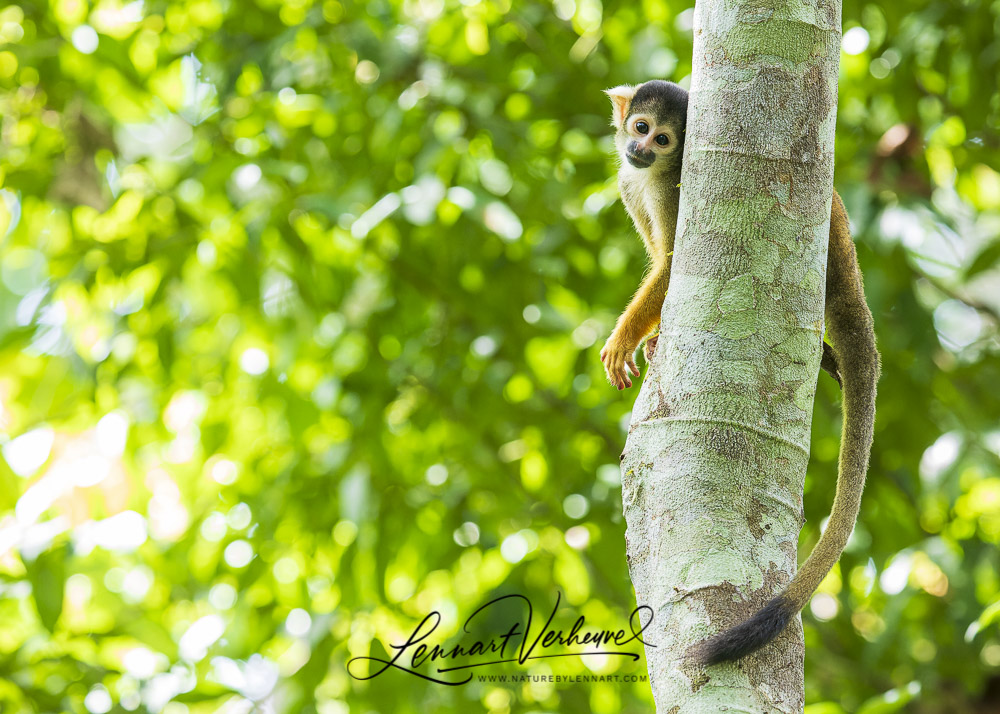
(853, 340)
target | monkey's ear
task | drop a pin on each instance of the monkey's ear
(620, 97)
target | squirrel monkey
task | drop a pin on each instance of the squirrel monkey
(650, 120)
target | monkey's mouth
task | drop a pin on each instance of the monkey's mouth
(640, 160)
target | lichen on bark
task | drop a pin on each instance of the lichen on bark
(713, 468)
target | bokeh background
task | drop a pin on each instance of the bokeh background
(300, 311)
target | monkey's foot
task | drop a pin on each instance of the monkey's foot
(649, 349)
(619, 360)
(829, 363)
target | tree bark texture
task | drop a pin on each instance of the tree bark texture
(715, 460)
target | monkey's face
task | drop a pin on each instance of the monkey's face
(647, 141)
(650, 120)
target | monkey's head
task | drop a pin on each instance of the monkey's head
(650, 119)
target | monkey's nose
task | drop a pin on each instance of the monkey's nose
(640, 159)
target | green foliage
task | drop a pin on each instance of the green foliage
(301, 310)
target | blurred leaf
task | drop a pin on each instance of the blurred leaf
(892, 701)
(986, 259)
(47, 575)
(824, 708)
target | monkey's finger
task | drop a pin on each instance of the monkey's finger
(632, 367)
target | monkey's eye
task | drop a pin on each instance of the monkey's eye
(642, 127)
(662, 140)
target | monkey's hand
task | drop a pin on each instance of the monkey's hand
(649, 349)
(619, 359)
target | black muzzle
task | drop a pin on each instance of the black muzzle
(639, 158)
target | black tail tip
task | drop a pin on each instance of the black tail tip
(746, 637)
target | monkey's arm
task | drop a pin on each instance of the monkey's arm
(638, 320)
(856, 360)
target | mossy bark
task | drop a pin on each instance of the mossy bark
(713, 468)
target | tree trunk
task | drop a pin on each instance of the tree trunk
(713, 468)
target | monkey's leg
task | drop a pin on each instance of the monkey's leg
(639, 318)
